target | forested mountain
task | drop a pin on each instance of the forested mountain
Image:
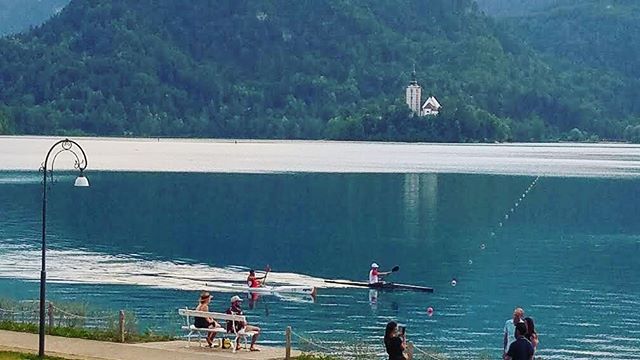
(296, 69)
(507, 8)
(594, 35)
(19, 15)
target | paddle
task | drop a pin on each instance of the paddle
(394, 269)
(267, 269)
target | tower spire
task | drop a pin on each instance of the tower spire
(414, 93)
(414, 78)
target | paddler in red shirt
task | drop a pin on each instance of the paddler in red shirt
(253, 281)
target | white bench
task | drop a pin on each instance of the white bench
(221, 318)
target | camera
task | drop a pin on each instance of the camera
(402, 329)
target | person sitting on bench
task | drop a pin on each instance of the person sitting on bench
(235, 309)
(205, 322)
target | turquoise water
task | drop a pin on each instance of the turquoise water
(567, 253)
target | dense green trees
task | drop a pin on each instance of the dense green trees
(592, 33)
(510, 8)
(395, 122)
(632, 133)
(595, 40)
(297, 69)
(4, 124)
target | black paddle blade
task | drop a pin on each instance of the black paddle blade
(395, 268)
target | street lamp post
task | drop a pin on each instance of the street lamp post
(80, 164)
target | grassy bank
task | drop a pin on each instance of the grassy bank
(85, 333)
(73, 320)
(10, 355)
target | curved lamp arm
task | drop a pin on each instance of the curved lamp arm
(66, 145)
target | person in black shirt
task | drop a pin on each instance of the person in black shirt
(394, 342)
(521, 349)
(235, 309)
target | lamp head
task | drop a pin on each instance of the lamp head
(81, 181)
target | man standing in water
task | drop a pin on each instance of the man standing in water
(374, 275)
(510, 328)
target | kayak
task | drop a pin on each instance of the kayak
(381, 285)
(267, 289)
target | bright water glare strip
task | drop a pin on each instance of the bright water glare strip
(86, 267)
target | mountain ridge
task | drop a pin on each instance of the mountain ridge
(334, 69)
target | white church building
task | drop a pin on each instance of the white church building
(414, 100)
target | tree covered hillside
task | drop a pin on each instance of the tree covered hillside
(508, 8)
(599, 35)
(19, 15)
(294, 69)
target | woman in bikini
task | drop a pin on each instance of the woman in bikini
(206, 322)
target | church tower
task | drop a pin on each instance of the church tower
(414, 94)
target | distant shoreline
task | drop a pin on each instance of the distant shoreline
(278, 156)
(238, 140)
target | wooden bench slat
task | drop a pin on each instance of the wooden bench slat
(215, 315)
(193, 327)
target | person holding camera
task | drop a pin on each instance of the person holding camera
(395, 341)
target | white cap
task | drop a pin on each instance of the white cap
(374, 265)
(235, 298)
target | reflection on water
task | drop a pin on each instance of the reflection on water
(153, 240)
(420, 204)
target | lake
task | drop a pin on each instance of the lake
(562, 245)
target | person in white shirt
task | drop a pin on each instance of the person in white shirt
(510, 328)
(374, 275)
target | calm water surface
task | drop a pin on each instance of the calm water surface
(147, 242)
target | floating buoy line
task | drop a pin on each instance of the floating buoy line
(502, 221)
